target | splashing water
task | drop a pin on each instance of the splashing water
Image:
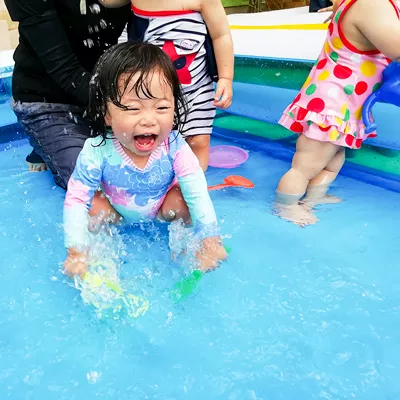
(103, 24)
(101, 287)
(89, 42)
(94, 9)
(116, 298)
(293, 313)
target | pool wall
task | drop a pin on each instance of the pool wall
(7, 117)
(263, 88)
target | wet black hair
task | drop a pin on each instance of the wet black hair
(130, 58)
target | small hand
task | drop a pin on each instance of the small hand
(211, 253)
(223, 93)
(332, 8)
(326, 9)
(75, 264)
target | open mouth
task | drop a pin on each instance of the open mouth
(145, 142)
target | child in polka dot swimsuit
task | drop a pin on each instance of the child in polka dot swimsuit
(327, 111)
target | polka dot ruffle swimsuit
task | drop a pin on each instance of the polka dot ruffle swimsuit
(329, 105)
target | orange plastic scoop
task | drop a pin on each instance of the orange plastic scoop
(235, 181)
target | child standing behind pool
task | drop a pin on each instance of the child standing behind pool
(135, 100)
(180, 28)
(362, 39)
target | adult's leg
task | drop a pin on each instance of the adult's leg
(57, 132)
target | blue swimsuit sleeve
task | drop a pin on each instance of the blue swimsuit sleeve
(194, 188)
(195, 192)
(82, 186)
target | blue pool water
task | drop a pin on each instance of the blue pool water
(293, 314)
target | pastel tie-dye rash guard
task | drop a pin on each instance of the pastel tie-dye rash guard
(136, 194)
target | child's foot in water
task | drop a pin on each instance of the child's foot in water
(35, 162)
(295, 213)
(309, 203)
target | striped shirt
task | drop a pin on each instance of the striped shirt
(184, 37)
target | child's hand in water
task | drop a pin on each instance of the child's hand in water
(75, 264)
(223, 94)
(211, 253)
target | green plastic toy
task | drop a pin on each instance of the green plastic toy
(188, 285)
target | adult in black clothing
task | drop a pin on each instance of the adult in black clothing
(60, 42)
(316, 5)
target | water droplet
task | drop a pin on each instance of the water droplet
(90, 42)
(93, 376)
(103, 24)
(94, 9)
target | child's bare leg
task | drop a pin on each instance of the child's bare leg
(101, 211)
(174, 206)
(310, 159)
(319, 186)
(200, 145)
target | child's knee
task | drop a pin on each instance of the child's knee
(336, 164)
(101, 207)
(307, 169)
(174, 206)
(199, 142)
(101, 211)
(310, 162)
(200, 145)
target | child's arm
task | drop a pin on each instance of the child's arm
(383, 30)
(82, 186)
(194, 188)
(114, 3)
(195, 192)
(217, 23)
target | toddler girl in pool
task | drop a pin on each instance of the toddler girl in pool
(190, 32)
(138, 161)
(362, 39)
